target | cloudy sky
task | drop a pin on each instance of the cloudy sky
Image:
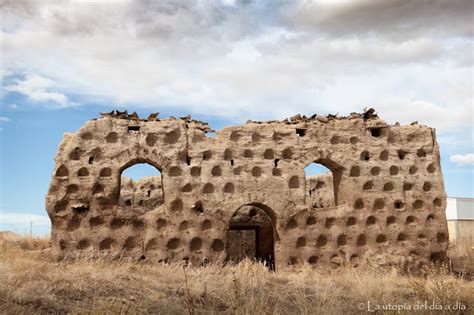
(226, 62)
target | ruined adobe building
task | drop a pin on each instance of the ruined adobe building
(244, 192)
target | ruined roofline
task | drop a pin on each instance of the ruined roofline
(368, 114)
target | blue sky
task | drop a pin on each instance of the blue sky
(62, 62)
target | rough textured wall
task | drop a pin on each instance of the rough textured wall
(389, 198)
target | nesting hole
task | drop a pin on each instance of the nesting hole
(381, 238)
(62, 171)
(105, 172)
(206, 225)
(351, 221)
(228, 156)
(195, 171)
(330, 222)
(402, 154)
(173, 243)
(111, 137)
(229, 188)
(256, 171)
(359, 204)
(187, 188)
(365, 156)
(217, 245)
(361, 240)
(83, 172)
(291, 224)
(375, 171)
(176, 205)
(379, 204)
(334, 140)
(287, 154)
(341, 240)
(371, 220)
(268, 154)
(175, 171)
(294, 182)
(368, 185)
(391, 220)
(311, 220)
(431, 168)
(398, 204)
(427, 186)
(216, 171)
(388, 187)
(393, 170)
(301, 242)
(418, 204)
(355, 171)
(196, 244)
(321, 241)
(208, 188)
(207, 155)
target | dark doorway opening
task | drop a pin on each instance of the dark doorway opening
(251, 235)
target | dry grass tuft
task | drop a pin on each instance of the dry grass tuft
(32, 283)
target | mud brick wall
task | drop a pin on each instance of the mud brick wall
(383, 202)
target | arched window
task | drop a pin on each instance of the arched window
(321, 185)
(141, 187)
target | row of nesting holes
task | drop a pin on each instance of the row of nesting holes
(351, 221)
(354, 259)
(384, 155)
(379, 204)
(335, 259)
(369, 185)
(175, 171)
(131, 242)
(118, 223)
(361, 240)
(394, 170)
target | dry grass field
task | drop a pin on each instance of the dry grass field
(32, 283)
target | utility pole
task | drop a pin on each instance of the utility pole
(31, 228)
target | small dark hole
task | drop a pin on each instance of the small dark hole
(376, 132)
(199, 208)
(80, 209)
(91, 159)
(300, 132)
(402, 154)
(133, 128)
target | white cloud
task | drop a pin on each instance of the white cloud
(23, 218)
(467, 159)
(244, 59)
(4, 119)
(395, 19)
(38, 89)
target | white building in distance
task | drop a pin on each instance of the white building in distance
(460, 217)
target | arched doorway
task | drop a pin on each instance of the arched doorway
(251, 234)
